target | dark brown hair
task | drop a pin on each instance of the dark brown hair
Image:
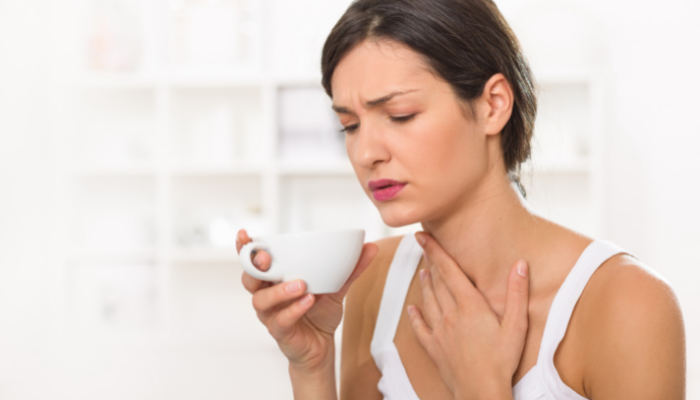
(465, 42)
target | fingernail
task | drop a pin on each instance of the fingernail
(306, 299)
(423, 275)
(409, 309)
(293, 287)
(522, 268)
(421, 238)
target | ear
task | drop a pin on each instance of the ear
(497, 104)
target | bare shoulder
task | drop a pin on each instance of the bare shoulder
(627, 294)
(359, 374)
(634, 336)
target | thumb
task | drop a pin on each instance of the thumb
(515, 319)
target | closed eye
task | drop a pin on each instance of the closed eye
(403, 118)
(350, 128)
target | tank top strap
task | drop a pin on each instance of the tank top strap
(560, 312)
(401, 272)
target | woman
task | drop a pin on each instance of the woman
(490, 301)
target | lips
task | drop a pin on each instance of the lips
(385, 189)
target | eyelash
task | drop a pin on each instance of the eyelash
(404, 118)
(349, 129)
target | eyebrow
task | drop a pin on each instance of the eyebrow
(373, 103)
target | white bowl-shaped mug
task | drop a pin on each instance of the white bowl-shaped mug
(323, 259)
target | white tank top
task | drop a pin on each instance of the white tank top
(541, 382)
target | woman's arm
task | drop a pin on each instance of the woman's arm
(359, 374)
(318, 384)
(636, 341)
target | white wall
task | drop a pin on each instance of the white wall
(652, 135)
(25, 184)
(652, 191)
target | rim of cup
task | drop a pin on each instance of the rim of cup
(323, 231)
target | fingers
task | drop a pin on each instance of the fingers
(515, 318)
(369, 251)
(443, 294)
(252, 285)
(454, 277)
(447, 277)
(261, 259)
(290, 315)
(241, 239)
(268, 299)
(420, 328)
(430, 302)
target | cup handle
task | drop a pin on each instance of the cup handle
(270, 275)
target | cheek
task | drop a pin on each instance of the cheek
(445, 163)
(445, 152)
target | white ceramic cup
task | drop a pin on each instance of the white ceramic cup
(323, 259)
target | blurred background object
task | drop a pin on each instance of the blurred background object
(309, 129)
(137, 137)
(114, 37)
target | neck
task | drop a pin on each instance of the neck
(487, 233)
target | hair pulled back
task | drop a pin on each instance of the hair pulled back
(465, 42)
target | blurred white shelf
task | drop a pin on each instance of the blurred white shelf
(86, 255)
(131, 80)
(239, 168)
(116, 80)
(340, 167)
(139, 170)
(204, 255)
(215, 79)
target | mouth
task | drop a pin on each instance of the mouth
(385, 189)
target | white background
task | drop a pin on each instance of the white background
(651, 197)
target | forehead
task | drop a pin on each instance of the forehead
(377, 67)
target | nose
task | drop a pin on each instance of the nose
(368, 148)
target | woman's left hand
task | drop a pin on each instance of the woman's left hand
(475, 352)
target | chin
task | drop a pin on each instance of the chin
(394, 217)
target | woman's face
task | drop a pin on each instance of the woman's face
(405, 128)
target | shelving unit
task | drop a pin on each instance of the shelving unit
(176, 156)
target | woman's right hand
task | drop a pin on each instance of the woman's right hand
(302, 324)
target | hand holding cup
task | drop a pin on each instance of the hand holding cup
(302, 321)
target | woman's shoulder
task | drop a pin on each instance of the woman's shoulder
(625, 291)
(633, 328)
